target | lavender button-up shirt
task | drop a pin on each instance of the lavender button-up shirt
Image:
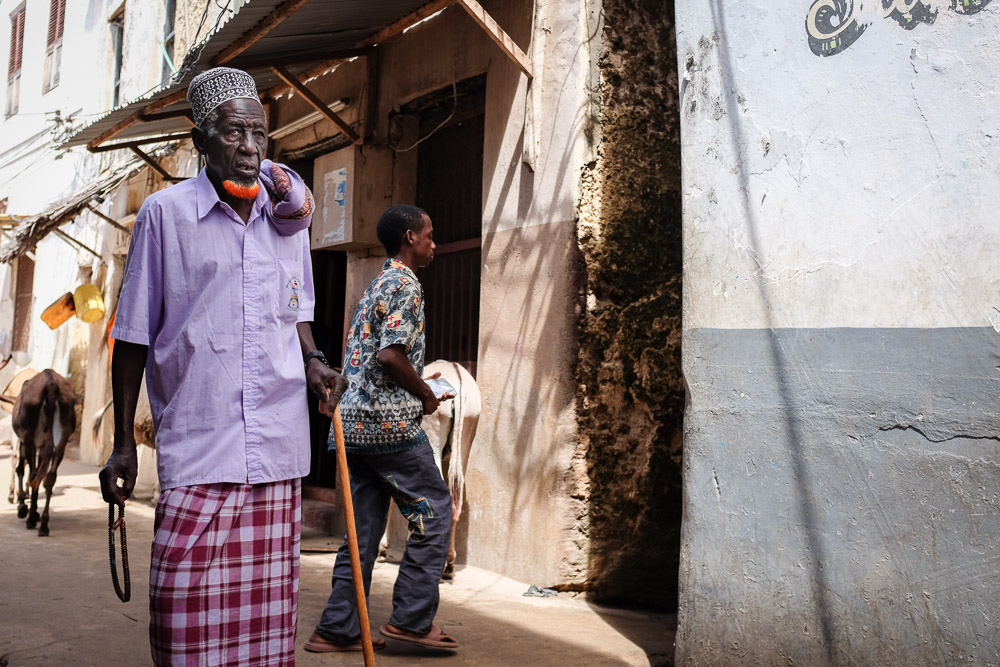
(216, 301)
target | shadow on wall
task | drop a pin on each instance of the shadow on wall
(532, 253)
(629, 368)
(807, 507)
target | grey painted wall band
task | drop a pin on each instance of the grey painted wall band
(842, 496)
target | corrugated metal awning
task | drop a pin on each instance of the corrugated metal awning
(305, 37)
(311, 35)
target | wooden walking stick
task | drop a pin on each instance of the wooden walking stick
(344, 482)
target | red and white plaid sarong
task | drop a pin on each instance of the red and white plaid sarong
(224, 574)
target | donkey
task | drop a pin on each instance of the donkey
(44, 419)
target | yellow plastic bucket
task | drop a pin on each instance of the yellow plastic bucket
(89, 303)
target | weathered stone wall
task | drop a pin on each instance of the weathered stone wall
(630, 384)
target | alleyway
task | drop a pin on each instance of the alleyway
(57, 606)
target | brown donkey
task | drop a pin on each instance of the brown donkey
(43, 421)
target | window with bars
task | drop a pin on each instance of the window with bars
(53, 45)
(168, 42)
(14, 63)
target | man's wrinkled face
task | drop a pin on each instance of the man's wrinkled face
(235, 143)
(423, 244)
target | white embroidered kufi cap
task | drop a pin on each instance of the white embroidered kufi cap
(217, 85)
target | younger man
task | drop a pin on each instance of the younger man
(388, 454)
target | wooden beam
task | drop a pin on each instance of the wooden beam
(173, 98)
(316, 70)
(407, 21)
(140, 142)
(316, 103)
(501, 38)
(162, 115)
(330, 54)
(391, 31)
(111, 221)
(73, 242)
(154, 164)
(269, 23)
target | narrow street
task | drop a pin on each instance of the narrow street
(58, 607)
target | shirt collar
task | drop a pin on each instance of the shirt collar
(208, 197)
(393, 263)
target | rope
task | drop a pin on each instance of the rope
(125, 595)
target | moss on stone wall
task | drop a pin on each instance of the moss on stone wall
(629, 371)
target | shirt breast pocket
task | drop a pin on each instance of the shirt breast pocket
(289, 290)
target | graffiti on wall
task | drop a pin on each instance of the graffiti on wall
(834, 25)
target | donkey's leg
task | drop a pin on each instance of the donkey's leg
(26, 461)
(22, 460)
(15, 456)
(33, 508)
(50, 481)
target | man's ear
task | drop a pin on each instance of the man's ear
(408, 236)
(198, 137)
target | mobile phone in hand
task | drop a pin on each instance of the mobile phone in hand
(440, 387)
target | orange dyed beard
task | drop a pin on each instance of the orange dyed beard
(241, 191)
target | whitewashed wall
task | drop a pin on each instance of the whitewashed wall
(34, 173)
(842, 332)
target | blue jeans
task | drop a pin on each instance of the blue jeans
(413, 481)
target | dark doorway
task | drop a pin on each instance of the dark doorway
(329, 278)
(450, 189)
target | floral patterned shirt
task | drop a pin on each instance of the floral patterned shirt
(379, 416)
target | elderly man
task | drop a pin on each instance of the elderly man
(215, 308)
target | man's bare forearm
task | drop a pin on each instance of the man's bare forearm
(127, 367)
(397, 365)
(306, 341)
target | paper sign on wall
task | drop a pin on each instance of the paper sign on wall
(335, 206)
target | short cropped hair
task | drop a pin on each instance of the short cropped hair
(395, 222)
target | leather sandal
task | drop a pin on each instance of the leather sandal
(320, 644)
(436, 638)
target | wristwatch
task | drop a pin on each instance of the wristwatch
(315, 354)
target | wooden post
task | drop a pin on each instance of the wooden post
(344, 482)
